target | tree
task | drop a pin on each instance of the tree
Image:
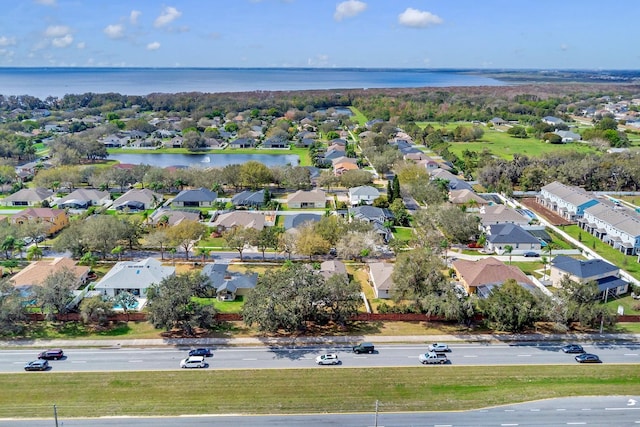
(203, 252)
(512, 308)
(8, 245)
(185, 233)
(255, 174)
(389, 191)
(126, 301)
(518, 132)
(310, 243)
(12, 313)
(34, 253)
(507, 250)
(117, 251)
(355, 178)
(158, 239)
(268, 237)
(580, 303)
(353, 244)
(417, 274)
(54, 294)
(239, 238)
(395, 188)
(171, 306)
(290, 298)
(95, 310)
(456, 225)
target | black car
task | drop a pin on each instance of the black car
(588, 358)
(52, 354)
(531, 254)
(37, 365)
(572, 348)
(201, 352)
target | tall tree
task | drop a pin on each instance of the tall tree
(185, 234)
(512, 308)
(238, 238)
(171, 305)
(54, 294)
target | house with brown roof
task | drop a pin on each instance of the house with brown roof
(380, 279)
(481, 276)
(466, 197)
(244, 219)
(169, 217)
(307, 199)
(28, 197)
(36, 272)
(56, 219)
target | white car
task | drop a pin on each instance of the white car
(193, 362)
(328, 359)
(439, 348)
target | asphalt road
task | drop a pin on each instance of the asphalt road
(152, 359)
(616, 411)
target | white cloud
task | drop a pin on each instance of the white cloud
(168, 15)
(133, 16)
(320, 60)
(349, 9)
(81, 45)
(46, 2)
(153, 46)
(114, 31)
(418, 18)
(7, 41)
(64, 41)
(57, 31)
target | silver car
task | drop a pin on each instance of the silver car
(328, 359)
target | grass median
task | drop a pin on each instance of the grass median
(325, 389)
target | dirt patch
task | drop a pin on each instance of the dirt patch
(547, 214)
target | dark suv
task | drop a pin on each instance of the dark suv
(364, 347)
(201, 352)
(55, 353)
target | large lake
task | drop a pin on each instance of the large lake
(203, 160)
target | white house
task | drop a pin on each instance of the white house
(380, 278)
(619, 228)
(568, 201)
(364, 194)
(134, 277)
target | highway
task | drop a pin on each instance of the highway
(168, 358)
(574, 411)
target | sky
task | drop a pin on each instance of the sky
(518, 34)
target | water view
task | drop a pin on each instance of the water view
(203, 160)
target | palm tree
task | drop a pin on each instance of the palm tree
(34, 253)
(544, 265)
(8, 245)
(204, 252)
(508, 249)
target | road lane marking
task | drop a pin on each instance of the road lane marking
(534, 410)
(471, 355)
(561, 409)
(585, 409)
(509, 410)
(360, 357)
(250, 359)
(442, 425)
(505, 425)
(78, 361)
(524, 355)
(631, 354)
(576, 423)
(136, 361)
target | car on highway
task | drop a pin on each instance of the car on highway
(193, 362)
(364, 347)
(328, 359)
(572, 348)
(51, 354)
(439, 348)
(531, 254)
(201, 352)
(37, 365)
(588, 358)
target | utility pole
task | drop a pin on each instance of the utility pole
(55, 414)
(376, 419)
(606, 295)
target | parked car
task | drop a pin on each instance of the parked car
(328, 359)
(573, 348)
(51, 354)
(193, 362)
(201, 352)
(37, 365)
(531, 254)
(588, 358)
(433, 358)
(439, 348)
(364, 347)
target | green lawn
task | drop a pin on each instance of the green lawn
(213, 242)
(223, 306)
(403, 233)
(631, 306)
(626, 262)
(358, 117)
(315, 390)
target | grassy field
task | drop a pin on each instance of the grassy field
(504, 145)
(317, 390)
(358, 117)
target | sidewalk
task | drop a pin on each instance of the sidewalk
(307, 341)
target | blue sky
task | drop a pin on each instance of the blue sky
(549, 34)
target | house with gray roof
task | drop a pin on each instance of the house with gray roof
(553, 121)
(501, 235)
(365, 194)
(246, 219)
(567, 201)
(227, 284)
(332, 267)
(134, 277)
(619, 227)
(500, 214)
(298, 220)
(568, 136)
(251, 199)
(196, 198)
(82, 198)
(375, 216)
(243, 143)
(169, 217)
(455, 182)
(380, 279)
(606, 275)
(28, 197)
(138, 199)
